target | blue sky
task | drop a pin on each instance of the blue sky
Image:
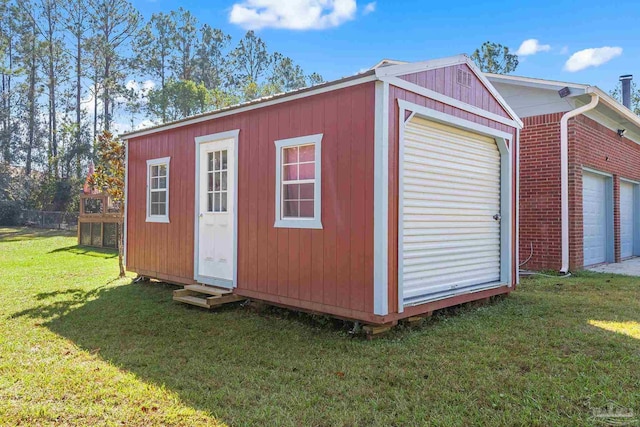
(347, 36)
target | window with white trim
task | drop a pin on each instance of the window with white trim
(298, 185)
(158, 190)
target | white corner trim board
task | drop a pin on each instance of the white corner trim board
(316, 221)
(381, 201)
(564, 175)
(126, 199)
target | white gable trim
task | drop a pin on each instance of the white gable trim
(412, 87)
(415, 67)
(398, 70)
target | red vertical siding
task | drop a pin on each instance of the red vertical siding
(442, 80)
(328, 270)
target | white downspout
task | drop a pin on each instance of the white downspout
(564, 173)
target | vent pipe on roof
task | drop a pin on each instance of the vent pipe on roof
(626, 90)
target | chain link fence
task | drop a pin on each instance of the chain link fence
(49, 219)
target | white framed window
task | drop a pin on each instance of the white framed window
(158, 190)
(298, 183)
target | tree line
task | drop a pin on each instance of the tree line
(71, 69)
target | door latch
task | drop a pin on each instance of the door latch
(497, 217)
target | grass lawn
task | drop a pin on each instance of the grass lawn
(80, 348)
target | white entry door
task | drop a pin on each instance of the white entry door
(627, 219)
(215, 206)
(594, 210)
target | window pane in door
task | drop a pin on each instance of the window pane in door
(223, 201)
(210, 202)
(224, 159)
(224, 181)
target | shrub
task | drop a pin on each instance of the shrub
(10, 212)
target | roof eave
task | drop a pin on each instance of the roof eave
(365, 77)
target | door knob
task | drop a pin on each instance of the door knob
(201, 214)
(497, 217)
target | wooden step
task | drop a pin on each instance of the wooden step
(191, 294)
(200, 302)
(225, 299)
(209, 290)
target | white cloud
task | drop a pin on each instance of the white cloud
(369, 8)
(292, 14)
(593, 57)
(531, 47)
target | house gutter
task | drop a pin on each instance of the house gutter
(564, 172)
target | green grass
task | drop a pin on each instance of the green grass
(80, 348)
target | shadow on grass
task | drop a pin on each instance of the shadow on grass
(245, 368)
(88, 250)
(17, 234)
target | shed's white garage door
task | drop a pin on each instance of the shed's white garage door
(594, 210)
(627, 219)
(450, 211)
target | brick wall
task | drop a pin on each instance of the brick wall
(590, 145)
(540, 226)
(597, 147)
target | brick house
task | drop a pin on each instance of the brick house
(579, 187)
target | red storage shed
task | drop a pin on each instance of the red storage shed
(376, 197)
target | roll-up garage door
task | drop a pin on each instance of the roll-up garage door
(627, 219)
(450, 212)
(594, 214)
